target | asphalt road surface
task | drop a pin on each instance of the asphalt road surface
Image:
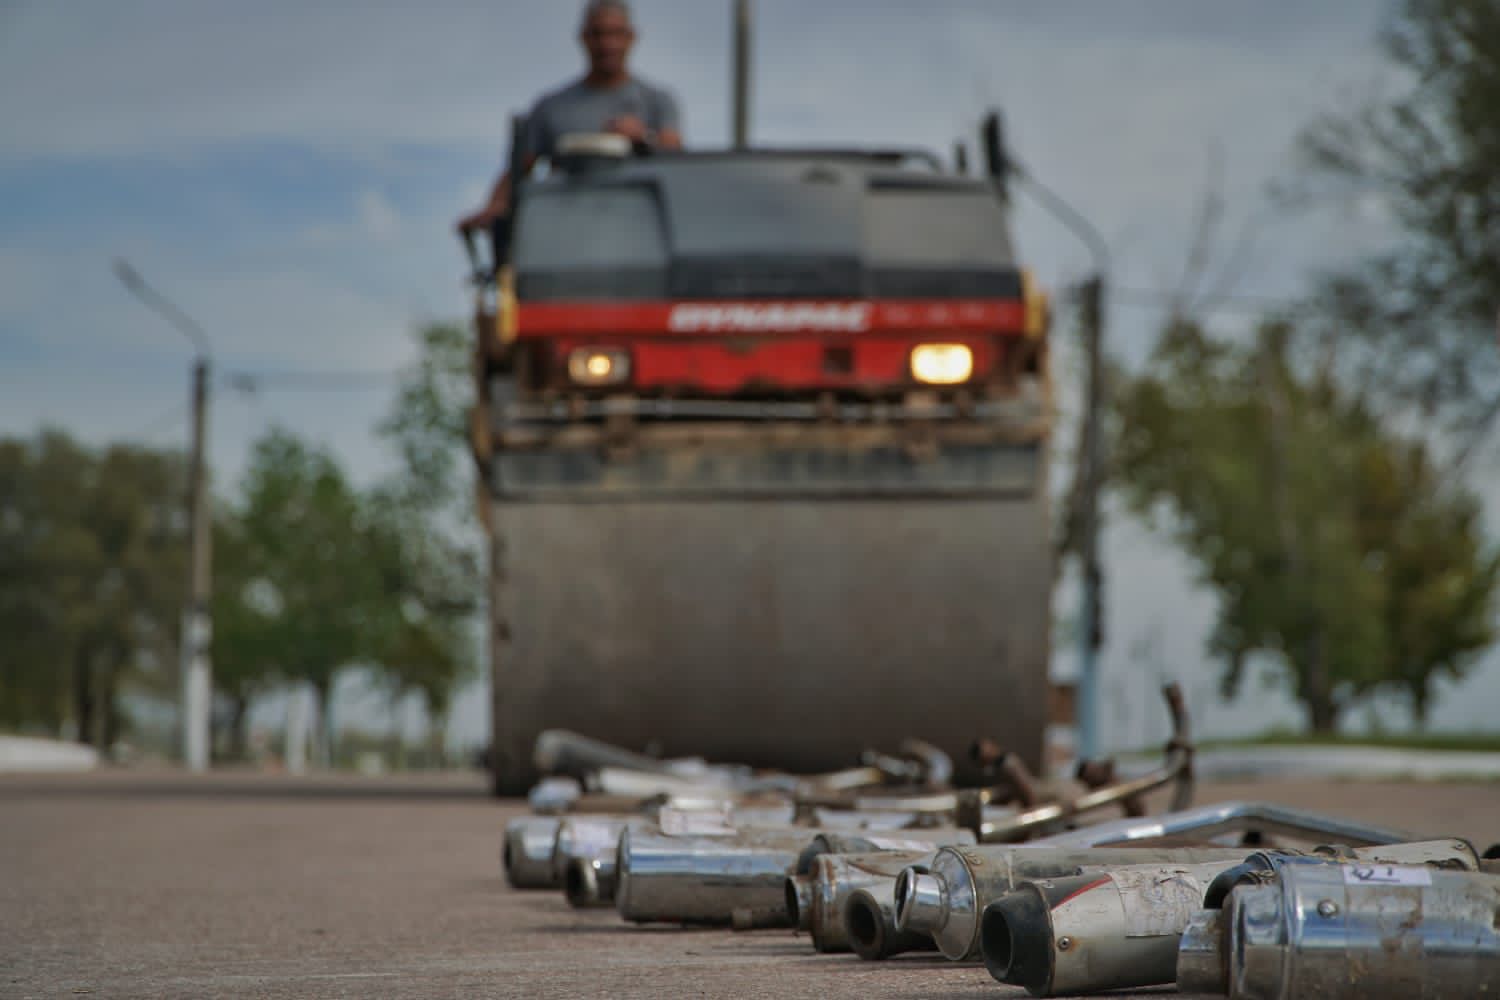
(134, 885)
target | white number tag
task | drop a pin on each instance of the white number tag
(1386, 875)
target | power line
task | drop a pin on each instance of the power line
(347, 378)
(163, 421)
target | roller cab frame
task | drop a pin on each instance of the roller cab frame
(762, 445)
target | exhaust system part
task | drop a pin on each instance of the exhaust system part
(820, 897)
(1202, 960)
(1204, 822)
(870, 921)
(739, 879)
(584, 856)
(590, 882)
(1088, 933)
(559, 751)
(1392, 900)
(922, 840)
(1262, 866)
(1176, 769)
(945, 899)
(554, 795)
(588, 837)
(526, 852)
(1342, 931)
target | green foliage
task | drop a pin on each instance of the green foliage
(92, 572)
(307, 551)
(428, 549)
(1332, 544)
(1420, 321)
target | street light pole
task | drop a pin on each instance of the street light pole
(197, 623)
(1092, 294)
(740, 82)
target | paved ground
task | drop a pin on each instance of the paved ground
(130, 885)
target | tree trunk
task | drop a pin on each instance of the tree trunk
(437, 734)
(1420, 704)
(1317, 694)
(83, 694)
(109, 709)
(326, 754)
(239, 724)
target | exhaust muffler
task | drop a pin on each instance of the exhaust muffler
(945, 899)
(526, 852)
(1100, 931)
(816, 901)
(738, 879)
(870, 922)
(1312, 927)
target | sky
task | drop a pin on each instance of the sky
(288, 173)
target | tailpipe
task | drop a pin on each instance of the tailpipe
(526, 852)
(1094, 932)
(835, 877)
(1410, 930)
(738, 880)
(870, 918)
(946, 897)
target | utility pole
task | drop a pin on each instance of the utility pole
(741, 81)
(1090, 474)
(196, 671)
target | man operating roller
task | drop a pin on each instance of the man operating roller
(608, 99)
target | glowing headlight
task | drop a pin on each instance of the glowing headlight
(941, 364)
(598, 366)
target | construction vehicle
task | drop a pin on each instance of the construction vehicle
(762, 437)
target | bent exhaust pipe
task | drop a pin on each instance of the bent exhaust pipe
(1087, 933)
(870, 921)
(526, 852)
(946, 898)
(1204, 822)
(562, 752)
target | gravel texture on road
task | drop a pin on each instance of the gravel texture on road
(130, 884)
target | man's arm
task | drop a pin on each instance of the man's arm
(535, 142)
(497, 205)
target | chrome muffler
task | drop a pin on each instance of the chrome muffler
(526, 852)
(1340, 930)
(945, 898)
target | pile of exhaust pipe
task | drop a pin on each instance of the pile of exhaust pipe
(1036, 885)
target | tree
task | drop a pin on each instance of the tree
(308, 549)
(1308, 518)
(422, 522)
(245, 606)
(1419, 322)
(92, 565)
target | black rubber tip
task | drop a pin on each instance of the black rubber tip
(1015, 935)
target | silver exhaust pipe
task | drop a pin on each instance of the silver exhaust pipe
(870, 920)
(526, 852)
(1313, 927)
(945, 898)
(820, 897)
(1088, 933)
(1203, 822)
(738, 880)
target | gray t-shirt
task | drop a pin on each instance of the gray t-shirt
(581, 108)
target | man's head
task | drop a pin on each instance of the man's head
(607, 34)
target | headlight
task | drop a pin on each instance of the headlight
(942, 364)
(598, 366)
